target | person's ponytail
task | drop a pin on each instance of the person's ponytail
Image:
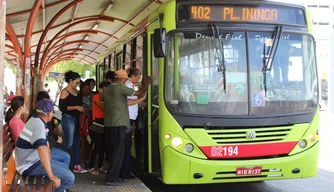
(9, 115)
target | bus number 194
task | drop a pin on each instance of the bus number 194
(224, 151)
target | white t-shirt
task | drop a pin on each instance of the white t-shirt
(133, 109)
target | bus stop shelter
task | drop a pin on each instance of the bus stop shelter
(37, 34)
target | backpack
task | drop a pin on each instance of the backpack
(84, 124)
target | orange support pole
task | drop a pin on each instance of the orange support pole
(14, 39)
(27, 61)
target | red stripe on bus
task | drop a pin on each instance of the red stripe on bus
(247, 150)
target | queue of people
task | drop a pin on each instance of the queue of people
(110, 121)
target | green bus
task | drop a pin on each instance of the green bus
(234, 94)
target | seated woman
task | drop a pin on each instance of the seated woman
(13, 116)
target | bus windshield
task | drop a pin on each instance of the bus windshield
(194, 85)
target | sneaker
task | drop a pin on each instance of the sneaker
(115, 183)
(79, 169)
(128, 177)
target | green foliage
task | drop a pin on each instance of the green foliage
(7, 65)
(75, 66)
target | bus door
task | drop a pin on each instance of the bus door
(153, 116)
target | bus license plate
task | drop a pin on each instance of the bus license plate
(257, 170)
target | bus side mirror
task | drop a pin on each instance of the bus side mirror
(159, 42)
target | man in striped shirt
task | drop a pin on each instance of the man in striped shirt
(32, 153)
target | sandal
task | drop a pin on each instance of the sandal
(92, 171)
(103, 170)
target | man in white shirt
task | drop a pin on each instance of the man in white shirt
(134, 75)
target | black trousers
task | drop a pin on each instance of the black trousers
(126, 165)
(98, 150)
(98, 147)
(138, 140)
(115, 141)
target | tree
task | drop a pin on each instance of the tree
(73, 65)
(10, 66)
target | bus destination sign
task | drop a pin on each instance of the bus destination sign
(260, 13)
(235, 13)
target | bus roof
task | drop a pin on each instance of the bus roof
(286, 2)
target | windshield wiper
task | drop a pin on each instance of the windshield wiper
(221, 59)
(268, 57)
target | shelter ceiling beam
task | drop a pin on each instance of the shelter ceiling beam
(66, 44)
(104, 18)
(71, 42)
(64, 51)
(131, 20)
(48, 27)
(71, 34)
(77, 19)
(28, 11)
(74, 12)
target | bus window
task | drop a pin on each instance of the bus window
(119, 62)
(196, 78)
(112, 62)
(127, 62)
(291, 82)
(138, 60)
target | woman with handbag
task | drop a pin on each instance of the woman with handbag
(96, 132)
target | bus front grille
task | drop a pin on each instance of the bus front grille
(248, 135)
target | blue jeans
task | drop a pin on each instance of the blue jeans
(71, 134)
(61, 156)
(60, 170)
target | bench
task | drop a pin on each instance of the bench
(13, 180)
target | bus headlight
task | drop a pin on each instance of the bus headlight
(189, 148)
(176, 142)
(302, 143)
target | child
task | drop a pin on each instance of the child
(96, 131)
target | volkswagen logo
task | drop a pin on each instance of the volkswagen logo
(250, 135)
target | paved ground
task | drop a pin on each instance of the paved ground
(90, 183)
